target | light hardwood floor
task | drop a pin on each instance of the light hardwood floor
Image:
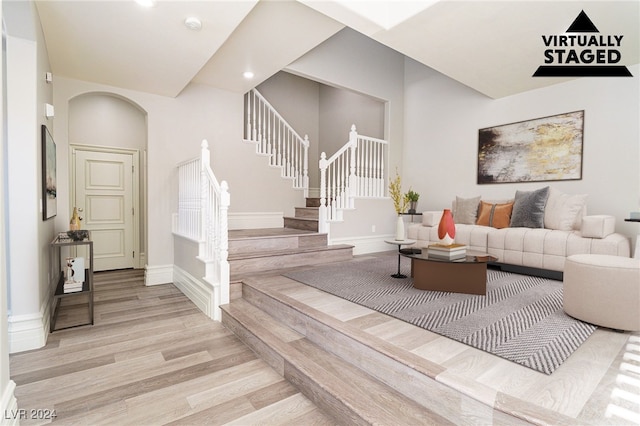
(153, 358)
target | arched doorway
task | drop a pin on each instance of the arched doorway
(107, 141)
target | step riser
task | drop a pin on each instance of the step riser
(313, 202)
(307, 213)
(268, 263)
(320, 396)
(305, 225)
(258, 245)
(266, 353)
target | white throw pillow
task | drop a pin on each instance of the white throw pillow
(562, 210)
(466, 210)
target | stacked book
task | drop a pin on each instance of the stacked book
(447, 251)
(74, 275)
(72, 287)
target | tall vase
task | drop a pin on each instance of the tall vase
(400, 229)
(446, 228)
(74, 223)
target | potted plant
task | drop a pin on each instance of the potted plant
(400, 200)
(400, 203)
(412, 197)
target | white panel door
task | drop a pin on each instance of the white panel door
(104, 190)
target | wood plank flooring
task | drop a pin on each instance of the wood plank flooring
(151, 358)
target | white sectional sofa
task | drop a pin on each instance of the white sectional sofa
(537, 248)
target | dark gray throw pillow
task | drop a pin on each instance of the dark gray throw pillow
(528, 208)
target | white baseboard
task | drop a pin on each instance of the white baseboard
(11, 414)
(364, 245)
(30, 331)
(155, 275)
(256, 220)
(200, 292)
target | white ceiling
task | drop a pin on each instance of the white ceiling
(491, 46)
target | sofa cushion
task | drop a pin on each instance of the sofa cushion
(473, 236)
(466, 210)
(598, 226)
(494, 215)
(431, 217)
(528, 208)
(563, 211)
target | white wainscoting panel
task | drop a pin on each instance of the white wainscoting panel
(199, 291)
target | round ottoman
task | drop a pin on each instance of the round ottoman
(603, 290)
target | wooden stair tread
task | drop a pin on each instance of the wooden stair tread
(307, 219)
(277, 328)
(288, 252)
(248, 234)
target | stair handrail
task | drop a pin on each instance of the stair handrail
(275, 137)
(357, 169)
(203, 206)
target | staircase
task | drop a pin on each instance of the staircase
(306, 218)
(354, 376)
(313, 352)
(298, 243)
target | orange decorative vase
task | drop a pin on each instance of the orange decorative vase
(447, 228)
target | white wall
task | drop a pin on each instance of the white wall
(7, 386)
(29, 236)
(442, 119)
(340, 109)
(354, 62)
(106, 120)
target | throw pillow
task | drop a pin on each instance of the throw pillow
(495, 215)
(528, 208)
(466, 210)
(562, 210)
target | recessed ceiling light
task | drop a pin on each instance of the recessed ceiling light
(193, 23)
(146, 3)
(247, 74)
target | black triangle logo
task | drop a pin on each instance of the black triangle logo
(582, 24)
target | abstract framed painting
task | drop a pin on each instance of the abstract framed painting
(49, 176)
(541, 149)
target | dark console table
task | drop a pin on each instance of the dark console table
(60, 242)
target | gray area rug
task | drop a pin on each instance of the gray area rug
(520, 318)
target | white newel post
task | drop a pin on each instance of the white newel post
(353, 179)
(225, 201)
(205, 209)
(305, 167)
(322, 214)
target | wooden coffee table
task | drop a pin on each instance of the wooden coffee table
(465, 275)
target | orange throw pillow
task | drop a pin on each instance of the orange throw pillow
(494, 215)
